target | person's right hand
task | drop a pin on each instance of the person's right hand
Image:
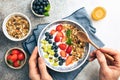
(109, 70)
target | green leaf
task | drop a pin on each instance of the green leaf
(47, 8)
(10, 62)
(69, 41)
(68, 32)
(46, 13)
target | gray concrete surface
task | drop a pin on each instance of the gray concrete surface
(58, 11)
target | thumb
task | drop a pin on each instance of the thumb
(101, 59)
(42, 67)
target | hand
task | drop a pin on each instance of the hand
(37, 72)
(109, 70)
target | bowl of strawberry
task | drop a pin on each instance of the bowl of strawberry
(15, 58)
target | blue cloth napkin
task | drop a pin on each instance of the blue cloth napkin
(81, 17)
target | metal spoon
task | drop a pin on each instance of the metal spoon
(83, 37)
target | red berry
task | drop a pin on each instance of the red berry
(15, 51)
(8, 57)
(62, 46)
(16, 63)
(63, 53)
(59, 27)
(21, 56)
(13, 57)
(57, 39)
(69, 49)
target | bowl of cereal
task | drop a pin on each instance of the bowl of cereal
(16, 26)
(60, 47)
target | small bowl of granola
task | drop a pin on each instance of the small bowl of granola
(16, 26)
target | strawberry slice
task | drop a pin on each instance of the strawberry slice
(62, 46)
(63, 53)
(57, 39)
(69, 60)
(59, 27)
(53, 32)
(69, 49)
(60, 34)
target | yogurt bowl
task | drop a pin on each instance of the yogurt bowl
(59, 46)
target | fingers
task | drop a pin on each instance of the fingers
(101, 59)
(42, 67)
(33, 60)
(111, 52)
(92, 56)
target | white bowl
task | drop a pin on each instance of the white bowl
(34, 11)
(68, 68)
(5, 30)
(23, 62)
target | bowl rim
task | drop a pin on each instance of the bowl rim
(4, 26)
(6, 54)
(34, 11)
(82, 29)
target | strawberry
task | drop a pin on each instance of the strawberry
(62, 46)
(15, 51)
(8, 57)
(16, 63)
(69, 60)
(57, 39)
(59, 27)
(13, 57)
(53, 32)
(69, 49)
(63, 53)
(21, 56)
(60, 34)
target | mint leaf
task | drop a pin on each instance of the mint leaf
(68, 32)
(69, 41)
(47, 8)
(46, 13)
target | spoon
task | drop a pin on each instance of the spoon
(83, 37)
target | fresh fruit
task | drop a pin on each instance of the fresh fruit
(63, 53)
(69, 60)
(62, 46)
(69, 49)
(59, 27)
(60, 63)
(60, 34)
(53, 32)
(16, 63)
(8, 57)
(63, 39)
(13, 57)
(41, 7)
(57, 39)
(98, 13)
(55, 55)
(21, 56)
(15, 51)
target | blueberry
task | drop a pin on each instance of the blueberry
(59, 58)
(50, 41)
(60, 63)
(50, 36)
(47, 34)
(63, 60)
(56, 47)
(54, 43)
(56, 50)
(37, 7)
(40, 11)
(42, 7)
(55, 55)
(47, 38)
(34, 7)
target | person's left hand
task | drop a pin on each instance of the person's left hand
(37, 72)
